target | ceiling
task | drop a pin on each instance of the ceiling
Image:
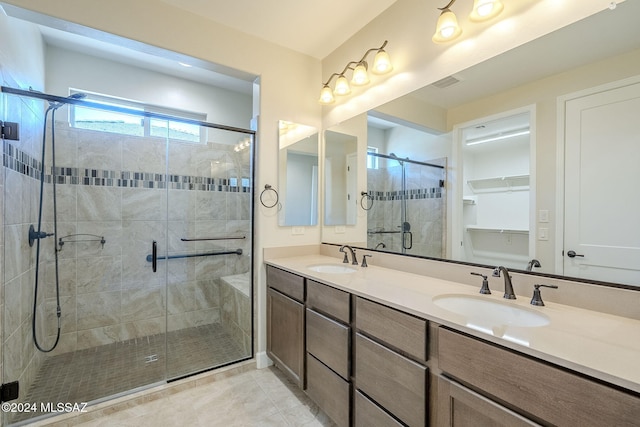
(283, 22)
(315, 28)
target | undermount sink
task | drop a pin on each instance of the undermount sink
(332, 268)
(490, 313)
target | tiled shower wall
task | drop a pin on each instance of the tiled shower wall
(114, 186)
(426, 204)
(20, 359)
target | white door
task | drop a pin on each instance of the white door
(602, 186)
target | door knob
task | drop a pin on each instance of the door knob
(573, 254)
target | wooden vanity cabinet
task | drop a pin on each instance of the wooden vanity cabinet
(285, 323)
(390, 372)
(328, 338)
(533, 390)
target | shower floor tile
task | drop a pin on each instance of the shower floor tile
(95, 373)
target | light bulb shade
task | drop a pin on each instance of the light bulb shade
(326, 95)
(447, 27)
(485, 9)
(360, 76)
(381, 63)
(342, 86)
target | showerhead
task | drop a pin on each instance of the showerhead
(393, 155)
(54, 105)
(77, 95)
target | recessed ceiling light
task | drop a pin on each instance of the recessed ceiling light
(184, 64)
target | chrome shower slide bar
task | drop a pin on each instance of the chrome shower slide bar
(213, 238)
(237, 252)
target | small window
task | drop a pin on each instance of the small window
(136, 125)
(372, 161)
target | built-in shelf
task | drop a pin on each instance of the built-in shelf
(497, 230)
(498, 184)
(468, 201)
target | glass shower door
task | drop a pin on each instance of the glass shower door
(209, 318)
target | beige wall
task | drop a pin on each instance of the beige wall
(289, 85)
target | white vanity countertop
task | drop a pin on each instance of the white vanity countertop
(600, 345)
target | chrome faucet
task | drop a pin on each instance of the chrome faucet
(353, 255)
(380, 245)
(508, 286)
(533, 263)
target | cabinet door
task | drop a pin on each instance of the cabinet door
(285, 334)
(460, 407)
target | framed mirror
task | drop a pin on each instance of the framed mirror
(340, 178)
(298, 174)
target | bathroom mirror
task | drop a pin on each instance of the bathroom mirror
(536, 75)
(340, 176)
(298, 174)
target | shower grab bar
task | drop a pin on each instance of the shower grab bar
(150, 258)
(383, 232)
(213, 238)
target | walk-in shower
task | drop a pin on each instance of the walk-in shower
(406, 211)
(140, 270)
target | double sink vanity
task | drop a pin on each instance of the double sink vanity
(377, 346)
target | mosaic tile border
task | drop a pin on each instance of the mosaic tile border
(415, 194)
(21, 162)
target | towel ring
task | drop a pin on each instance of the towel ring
(268, 187)
(369, 201)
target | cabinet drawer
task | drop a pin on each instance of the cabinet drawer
(369, 414)
(328, 341)
(328, 390)
(331, 301)
(285, 282)
(400, 330)
(530, 386)
(393, 381)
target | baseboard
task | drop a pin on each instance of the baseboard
(262, 360)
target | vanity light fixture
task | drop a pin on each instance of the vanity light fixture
(498, 137)
(447, 27)
(483, 10)
(360, 76)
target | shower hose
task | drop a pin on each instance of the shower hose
(51, 108)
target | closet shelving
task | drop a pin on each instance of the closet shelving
(499, 184)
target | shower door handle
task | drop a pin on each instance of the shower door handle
(154, 256)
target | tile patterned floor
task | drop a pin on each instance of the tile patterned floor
(98, 372)
(263, 397)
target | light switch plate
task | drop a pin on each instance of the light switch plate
(296, 231)
(543, 215)
(340, 229)
(543, 233)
